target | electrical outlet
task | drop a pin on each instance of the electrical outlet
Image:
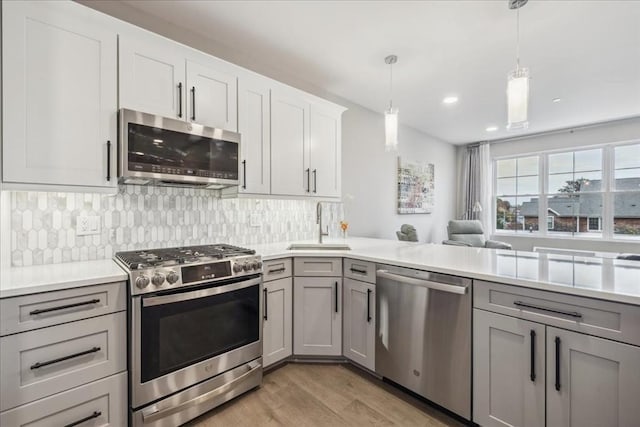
(87, 225)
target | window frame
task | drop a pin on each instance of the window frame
(607, 192)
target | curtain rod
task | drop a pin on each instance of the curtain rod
(557, 131)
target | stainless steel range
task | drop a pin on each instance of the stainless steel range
(196, 330)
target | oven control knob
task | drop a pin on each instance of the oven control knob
(172, 277)
(158, 279)
(142, 282)
(237, 268)
(246, 266)
(258, 265)
(254, 265)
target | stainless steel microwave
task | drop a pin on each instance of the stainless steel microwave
(162, 151)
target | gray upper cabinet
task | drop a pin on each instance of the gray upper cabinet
(508, 371)
(591, 382)
(59, 86)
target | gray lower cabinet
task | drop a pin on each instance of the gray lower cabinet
(317, 316)
(277, 321)
(524, 370)
(509, 371)
(591, 382)
(359, 322)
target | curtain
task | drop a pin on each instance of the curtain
(475, 188)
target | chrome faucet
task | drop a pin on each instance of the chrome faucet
(319, 222)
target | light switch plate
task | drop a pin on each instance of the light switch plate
(87, 225)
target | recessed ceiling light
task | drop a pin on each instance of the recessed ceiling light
(556, 100)
(491, 128)
(450, 100)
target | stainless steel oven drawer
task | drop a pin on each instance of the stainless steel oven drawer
(36, 311)
(276, 269)
(100, 403)
(40, 363)
(360, 270)
(590, 316)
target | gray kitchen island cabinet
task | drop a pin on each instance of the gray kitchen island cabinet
(530, 373)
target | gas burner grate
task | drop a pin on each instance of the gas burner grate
(135, 260)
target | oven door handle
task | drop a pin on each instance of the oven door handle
(200, 293)
(148, 418)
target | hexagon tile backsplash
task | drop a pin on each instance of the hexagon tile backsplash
(43, 225)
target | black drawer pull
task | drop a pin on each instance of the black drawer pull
(368, 306)
(62, 359)
(357, 270)
(108, 160)
(533, 356)
(180, 100)
(550, 310)
(336, 293)
(265, 295)
(557, 363)
(95, 414)
(277, 270)
(62, 307)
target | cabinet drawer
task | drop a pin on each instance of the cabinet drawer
(594, 317)
(317, 267)
(105, 401)
(40, 363)
(360, 270)
(36, 311)
(276, 269)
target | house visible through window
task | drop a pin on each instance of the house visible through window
(594, 191)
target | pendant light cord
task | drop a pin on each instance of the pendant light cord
(390, 86)
(518, 39)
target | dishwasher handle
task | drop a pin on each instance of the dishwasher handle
(454, 289)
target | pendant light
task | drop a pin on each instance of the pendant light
(391, 115)
(517, 82)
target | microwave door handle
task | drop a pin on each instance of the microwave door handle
(201, 293)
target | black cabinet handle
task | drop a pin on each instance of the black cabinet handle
(357, 270)
(62, 307)
(108, 160)
(558, 363)
(533, 356)
(336, 294)
(180, 100)
(368, 306)
(244, 174)
(264, 293)
(95, 414)
(315, 180)
(277, 270)
(193, 103)
(551, 310)
(308, 171)
(62, 359)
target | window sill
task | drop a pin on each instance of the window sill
(497, 235)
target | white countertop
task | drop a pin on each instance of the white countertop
(607, 279)
(43, 278)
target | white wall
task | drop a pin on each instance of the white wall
(368, 173)
(604, 133)
(369, 178)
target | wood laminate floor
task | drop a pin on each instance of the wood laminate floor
(323, 395)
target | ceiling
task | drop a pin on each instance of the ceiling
(585, 52)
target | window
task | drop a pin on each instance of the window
(594, 224)
(626, 194)
(517, 186)
(591, 192)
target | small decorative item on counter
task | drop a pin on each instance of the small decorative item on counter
(344, 226)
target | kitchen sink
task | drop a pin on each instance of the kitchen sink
(320, 246)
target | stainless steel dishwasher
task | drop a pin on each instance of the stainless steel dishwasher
(423, 334)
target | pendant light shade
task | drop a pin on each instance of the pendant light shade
(391, 114)
(391, 129)
(518, 82)
(518, 99)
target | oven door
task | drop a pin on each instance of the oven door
(182, 338)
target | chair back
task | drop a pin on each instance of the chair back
(467, 231)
